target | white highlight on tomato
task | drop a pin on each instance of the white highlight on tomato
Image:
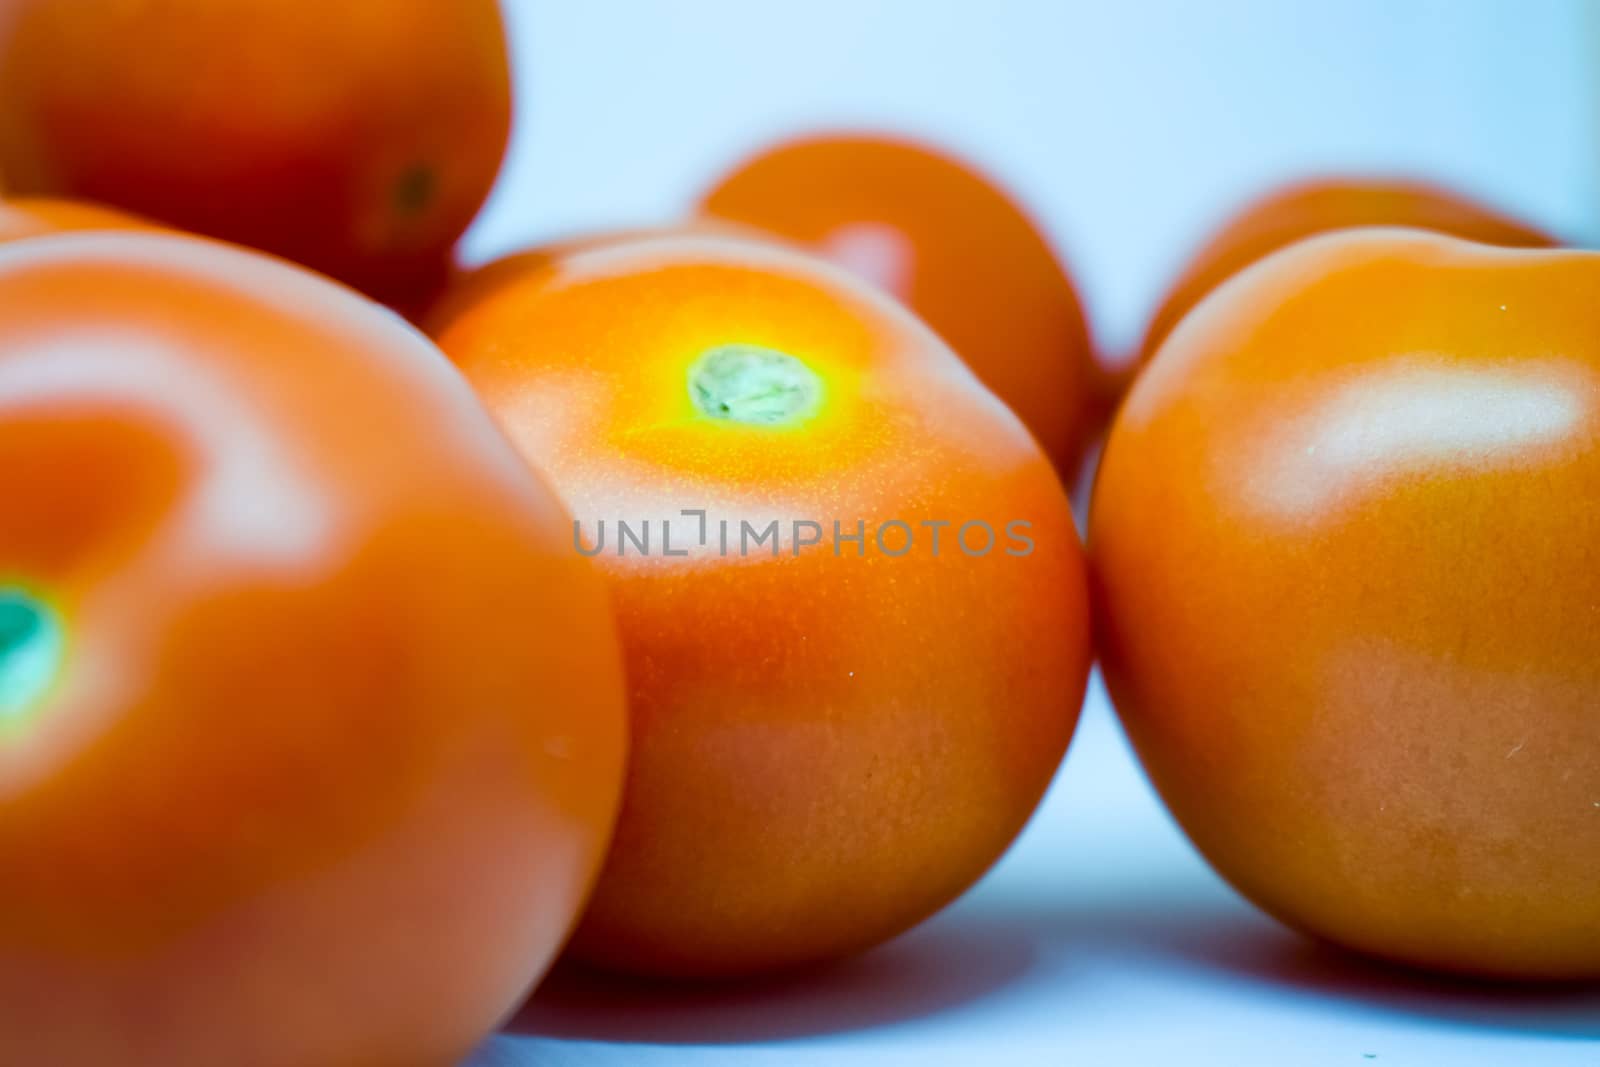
(880, 254)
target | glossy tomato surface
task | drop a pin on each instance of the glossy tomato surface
(1320, 206)
(311, 723)
(832, 737)
(36, 216)
(951, 245)
(470, 286)
(359, 138)
(1344, 552)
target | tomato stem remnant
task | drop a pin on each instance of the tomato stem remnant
(31, 643)
(414, 190)
(754, 385)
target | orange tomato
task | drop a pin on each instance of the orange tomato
(1313, 207)
(829, 744)
(35, 216)
(468, 287)
(1344, 541)
(311, 726)
(953, 247)
(359, 138)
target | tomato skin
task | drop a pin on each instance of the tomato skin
(1323, 205)
(1342, 543)
(357, 138)
(37, 216)
(337, 744)
(949, 244)
(809, 729)
(470, 286)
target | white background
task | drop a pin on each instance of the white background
(1128, 129)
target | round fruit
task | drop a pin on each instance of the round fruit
(468, 287)
(359, 138)
(856, 638)
(1310, 208)
(34, 217)
(1344, 547)
(311, 722)
(954, 248)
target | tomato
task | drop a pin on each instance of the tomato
(358, 138)
(1309, 208)
(952, 246)
(467, 287)
(1343, 539)
(33, 217)
(833, 737)
(311, 724)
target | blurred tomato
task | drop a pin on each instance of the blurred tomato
(359, 138)
(837, 728)
(311, 725)
(1344, 545)
(1309, 208)
(949, 244)
(36, 216)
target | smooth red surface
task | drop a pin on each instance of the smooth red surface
(357, 137)
(1344, 553)
(827, 748)
(337, 744)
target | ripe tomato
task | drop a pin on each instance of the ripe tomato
(311, 725)
(469, 287)
(35, 216)
(829, 744)
(952, 246)
(1309, 208)
(358, 138)
(1343, 538)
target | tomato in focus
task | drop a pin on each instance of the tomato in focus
(311, 723)
(1343, 542)
(358, 138)
(833, 738)
(953, 247)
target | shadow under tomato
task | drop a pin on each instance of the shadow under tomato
(923, 973)
(1311, 967)
(973, 953)
(1233, 942)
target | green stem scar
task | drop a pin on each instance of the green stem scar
(754, 385)
(31, 647)
(414, 189)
